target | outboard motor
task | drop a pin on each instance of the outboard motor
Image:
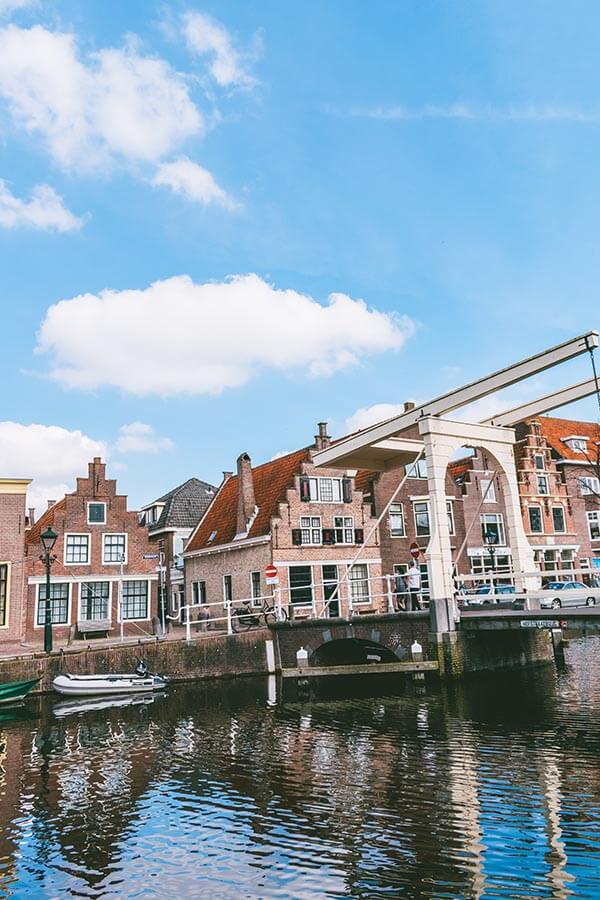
(141, 668)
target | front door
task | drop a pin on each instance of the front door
(330, 584)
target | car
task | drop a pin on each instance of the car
(567, 593)
(481, 596)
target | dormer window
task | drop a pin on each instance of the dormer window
(212, 536)
(577, 443)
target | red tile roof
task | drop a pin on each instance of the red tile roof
(32, 536)
(363, 479)
(270, 483)
(555, 430)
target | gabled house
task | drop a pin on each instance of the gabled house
(170, 521)
(13, 523)
(307, 522)
(101, 564)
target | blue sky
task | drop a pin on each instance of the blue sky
(436, 160)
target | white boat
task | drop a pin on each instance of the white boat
(95, 685)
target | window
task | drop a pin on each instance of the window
(255, 588)
(3, 594)
(542, 484)
(134, 600)
(326, 490)
(310, 526)
(94, 600)
(567, 559)
(481, 565)
(417, 469)
(301, 592)
(358, 583)
(114, 548)
(211, 537)
(487, 485)
(584, 562)
(177, 551)
(421, 512)
(198, 592)
(396, 520)
(589, 485)
(424, 581)
(536, 523)
(492, 528)
(59, 603)
(579, 444)
(77, 549)
(594, 525)
(344, 529)
(227, 591)
(538, 461)
(450, 511)
(558, 519)
(96, 513)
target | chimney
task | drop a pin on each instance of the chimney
(322, 439)
(246, 501)
(51, 503)
(408, 405)
(31, 512)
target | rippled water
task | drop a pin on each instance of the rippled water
(487, 790)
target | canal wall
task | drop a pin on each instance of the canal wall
(211, 656)
(464, 653)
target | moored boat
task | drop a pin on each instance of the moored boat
(15, 691)
(97, 685)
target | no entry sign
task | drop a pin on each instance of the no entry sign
(415, 550)
(271, 576)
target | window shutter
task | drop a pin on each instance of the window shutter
(347, 490)
(359, 535)
(304, 489)
(296, 536)
(328, 536)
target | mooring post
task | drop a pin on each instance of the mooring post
(558, 646)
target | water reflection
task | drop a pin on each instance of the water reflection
(487, 790)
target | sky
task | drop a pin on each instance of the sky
(223, 223)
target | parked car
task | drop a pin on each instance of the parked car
(568, 593)
(485, 596)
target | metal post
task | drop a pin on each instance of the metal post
(163, 599)
(229, 625)
(120, 600)
(277, 602)
(390, 596)
(188, 627)
(48, 610)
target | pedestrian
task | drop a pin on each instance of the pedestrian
(413, 580)
(400, 590)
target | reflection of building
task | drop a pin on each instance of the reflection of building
(12, 550)
(100, 553)
(307, 522)
(170, 520)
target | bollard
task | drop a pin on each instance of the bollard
(558, 646)
(302, 658)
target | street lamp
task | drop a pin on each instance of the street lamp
(48, 539)
(491, 538)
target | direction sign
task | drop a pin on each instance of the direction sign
(271, 575)
(150, 555)
(415, 550)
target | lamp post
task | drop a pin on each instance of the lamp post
(48, 539)
(491, 538)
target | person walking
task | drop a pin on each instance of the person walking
(400, 590)
(413, 580)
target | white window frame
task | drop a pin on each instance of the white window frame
(345, 529)
(96, 503)
(315, 489)
(311, 528)
(109, 598)
(195, 598)
(543, 478)
(414, 505)
(588, 484)
(564, 528)
(149, 601)
(37, 603)
(8, 566)
(416, 469)
(450, 514)
(499, 521)
(530, 529)
(124, 534)
(593, 516)
(399, 513)
(491, 496)
(86, 534)
(577, 444)
(537, 468)
(363, 601)
(256, 598)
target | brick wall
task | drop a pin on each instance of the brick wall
(12, 543)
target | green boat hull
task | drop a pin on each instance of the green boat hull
(13, 691)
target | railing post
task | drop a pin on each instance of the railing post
(350, 605)
(188, 627)
(390, 596)
(277, 602)
(229, 625)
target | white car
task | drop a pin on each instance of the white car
(568, 593)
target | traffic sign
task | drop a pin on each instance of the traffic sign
(415, 550)
(271, 575)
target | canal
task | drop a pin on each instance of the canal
(488, 789)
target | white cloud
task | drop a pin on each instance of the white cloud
(370, 415)
(116, 105)
(44, 210)
(137, 437)
(205, 36)
(178, 337)
(465, 111)
(51, 455)
(10, 6)
(194, 182)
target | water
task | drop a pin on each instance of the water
(487, 790)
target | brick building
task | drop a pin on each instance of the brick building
(170, 521)
(306, 521)
(100, 546)
(13, 522)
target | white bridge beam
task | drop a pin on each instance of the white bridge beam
(543, 404)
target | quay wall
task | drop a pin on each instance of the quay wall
(464, 653)
(212, 656)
